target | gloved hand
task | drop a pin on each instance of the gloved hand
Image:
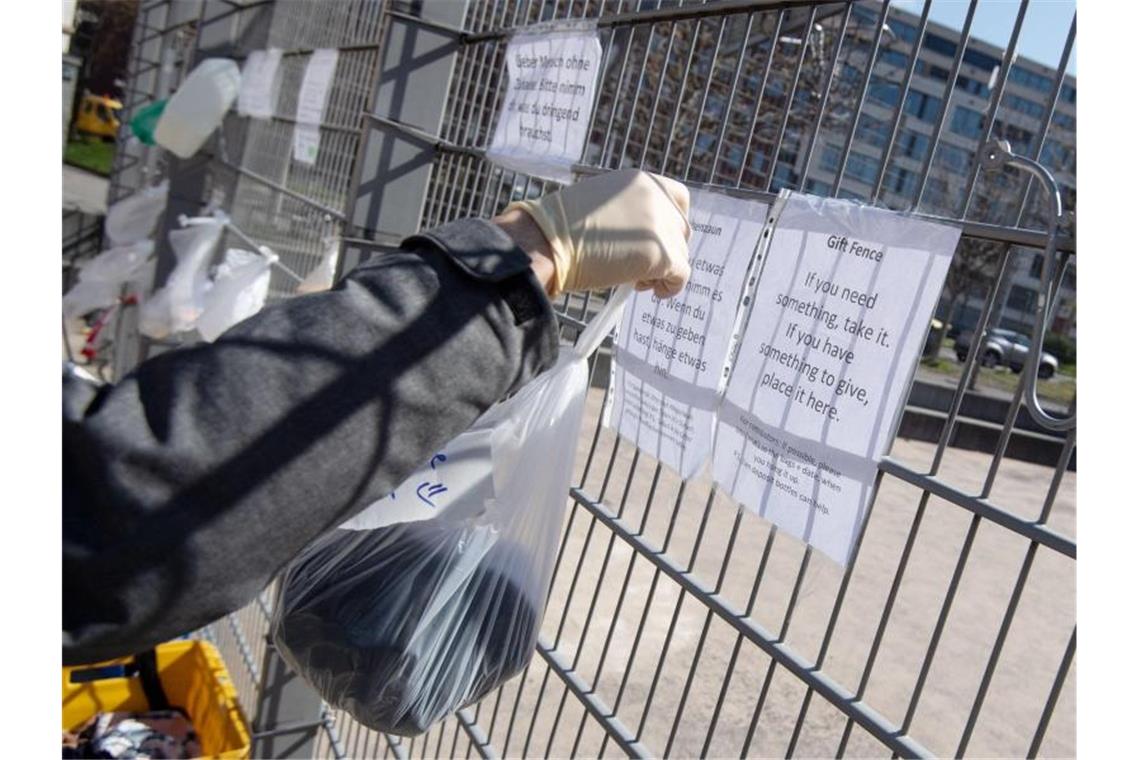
(624, 226)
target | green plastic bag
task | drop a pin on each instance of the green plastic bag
(145, 121)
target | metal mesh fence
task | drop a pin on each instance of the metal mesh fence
(281, 202)
(677, 624)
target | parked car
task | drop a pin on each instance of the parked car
(1005, 348)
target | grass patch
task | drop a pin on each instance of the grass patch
(1069, 370)
(92, 155)
(1059, 389)
(940, 364)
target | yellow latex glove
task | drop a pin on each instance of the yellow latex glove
(624, 226)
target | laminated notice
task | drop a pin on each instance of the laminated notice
(552, 74)
(669, 354)
(834, 329)
(311, 102)
(259, 84)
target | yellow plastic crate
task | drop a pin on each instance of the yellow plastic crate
(192, 675)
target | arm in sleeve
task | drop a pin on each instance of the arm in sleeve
(190, 483)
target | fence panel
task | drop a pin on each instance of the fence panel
(677, 624)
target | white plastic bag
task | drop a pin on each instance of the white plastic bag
(88, 295)
(401, 625)
(321, 278)
(238, 291)
(133, 218)
(175, 306)
(102, 278)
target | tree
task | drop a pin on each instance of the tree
(109, 47)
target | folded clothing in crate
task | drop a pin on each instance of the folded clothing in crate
(402, 625)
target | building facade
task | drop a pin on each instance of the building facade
(794, 135)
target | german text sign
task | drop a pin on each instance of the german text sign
(545, 116)
(311, 101)
(669, 355)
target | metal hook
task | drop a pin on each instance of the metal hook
(996, 155)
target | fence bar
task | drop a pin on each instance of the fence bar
(479, 739)
(860, 712)
(282, 189)
(671, 13)
(970, 228)
(1034, 531)
(600, 711)
(1054, 695)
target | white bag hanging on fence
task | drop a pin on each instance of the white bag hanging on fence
(102, 278)
(133, 218)
(176, 306)
(238, 291)
(402, 625)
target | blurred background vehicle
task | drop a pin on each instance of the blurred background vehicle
(98, 115)
(1005, 348)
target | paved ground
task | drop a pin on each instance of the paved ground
(1024, 673)
(84, 191)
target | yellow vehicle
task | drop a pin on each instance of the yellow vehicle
(97, 116)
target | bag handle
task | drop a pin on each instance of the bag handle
(603, 323)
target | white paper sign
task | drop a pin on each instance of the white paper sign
(669, 354)
(545, 116)
(259, 84)
(841, 311)
(456, 482)
(306, 143)
(311, 102)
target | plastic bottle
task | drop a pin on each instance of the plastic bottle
(198, 107)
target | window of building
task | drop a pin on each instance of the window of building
(937, 195)
(922, 106)
(829, 159)
(873, 131)
(901, 181)
(1036, 265)
(939, 73)
(886, 93)
(984, 61)
(784, 176)
(862, 167)
(1030, 79)
(894, 58)
(734, 155)
(818, 187)
(1069, 93)
(1021, 298)
(966, 122)
(954, 158)
(1057, 156)
(913, 144)
(972, 86)
(1022, 105)
(1020, 140)
(939, 45)
(904, 31)
(1065, 121)
(863, 13)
